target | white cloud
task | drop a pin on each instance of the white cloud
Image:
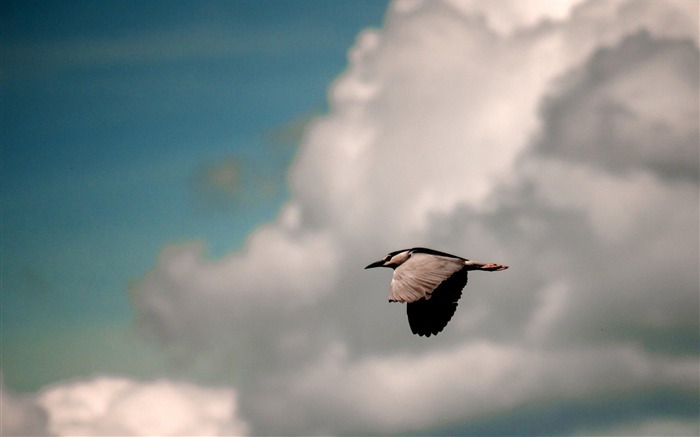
(483, 131)
(508, 16)
(119, 406)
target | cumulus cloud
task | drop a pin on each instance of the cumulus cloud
(615, 105)
(415, 391)
(512, 15)
(560, 141)
(120, 406)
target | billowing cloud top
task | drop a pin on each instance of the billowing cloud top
(561, 141)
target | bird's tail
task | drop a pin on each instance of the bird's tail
(473, 265)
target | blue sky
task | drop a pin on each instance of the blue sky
(117, 116)
(191, 191)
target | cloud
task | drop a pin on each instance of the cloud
(618, 155)
(511, 15)
(559, 147)
(614, 106)
(547, 147)
(654, 428)
(441, 387)
(120, 406)
(21, 415)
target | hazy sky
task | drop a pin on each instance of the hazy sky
(190, 192)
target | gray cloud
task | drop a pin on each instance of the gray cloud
(498, 144)
(602, 292)
(617, 113)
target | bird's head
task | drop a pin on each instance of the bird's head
(393, 260)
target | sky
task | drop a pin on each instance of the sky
(190, 194)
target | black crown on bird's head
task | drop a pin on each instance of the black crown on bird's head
(398, 257)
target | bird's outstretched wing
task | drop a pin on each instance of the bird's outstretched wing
(430, 316)
(419, 277)
(431, 284)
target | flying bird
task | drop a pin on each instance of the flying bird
(430, 283)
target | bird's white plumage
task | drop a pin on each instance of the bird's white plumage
(420, 275)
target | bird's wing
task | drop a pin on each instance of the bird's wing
(419, 277)
(429, 316)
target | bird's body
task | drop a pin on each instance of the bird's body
(430, 283)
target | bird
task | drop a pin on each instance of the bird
(430, 282)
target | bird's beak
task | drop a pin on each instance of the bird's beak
(379, 263)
